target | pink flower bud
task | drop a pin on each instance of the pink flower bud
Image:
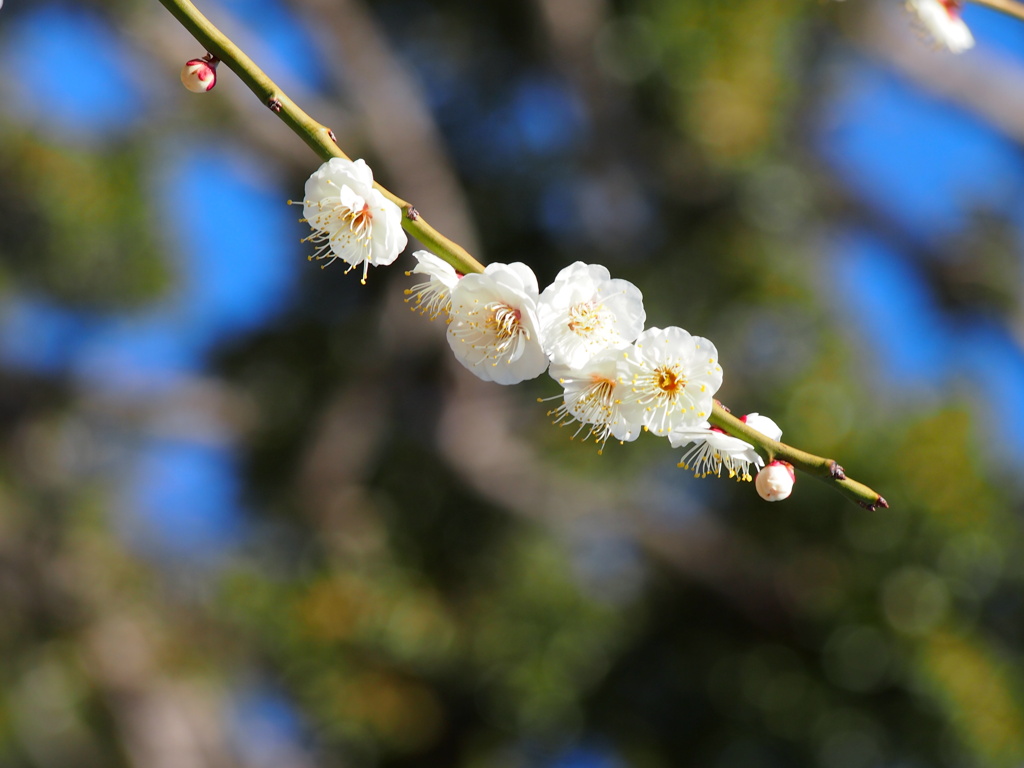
(200, 75)
(775, 482)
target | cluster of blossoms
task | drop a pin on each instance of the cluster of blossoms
(941, 20)
(586, 330)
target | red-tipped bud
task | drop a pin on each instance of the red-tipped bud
(200, 75)
(775, 482)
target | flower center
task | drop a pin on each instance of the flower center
(510, 337)
(669, 380)
(335, 225)
(593, 407)
(505, 322)
(595, 402)
(359, 221)
(952, 7)
(585, 319)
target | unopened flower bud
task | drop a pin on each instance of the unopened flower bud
(200, 75)
(775, 482)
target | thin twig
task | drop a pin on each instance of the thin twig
(319, 137)
(322, 141)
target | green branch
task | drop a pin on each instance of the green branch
(321, 140)
(319, 137)
(824, 469)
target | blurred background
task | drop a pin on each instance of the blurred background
(254, 515)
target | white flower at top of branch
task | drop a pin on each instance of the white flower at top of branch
(672, 379)
(433, 296)
(494, 329)
(351, 220)
(941, 20)
(592, 397)
(585, 311)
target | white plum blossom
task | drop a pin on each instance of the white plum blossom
(351, 220)
(585, 311)
(433, 296)
(592, 396)
(713, 450)
(494, 329)
(775, 482)
(941, 20)
(671, 379)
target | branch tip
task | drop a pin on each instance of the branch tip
(820, 467)
(877, 504)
